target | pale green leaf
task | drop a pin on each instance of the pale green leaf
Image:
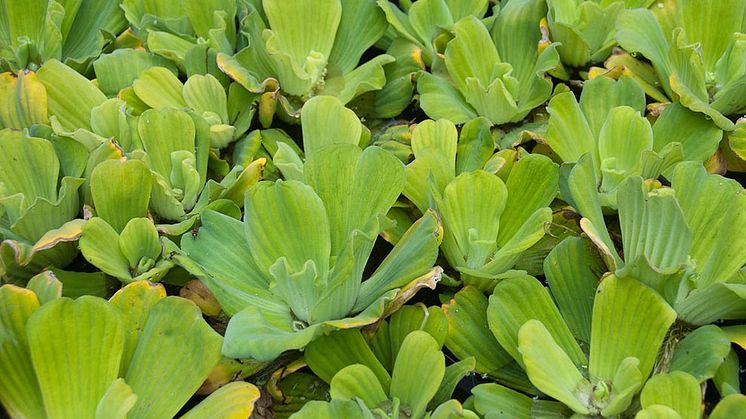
(550, 368)
(135, 300)
(159, 88)
(357, 381)
(121, 191)
(76, 347)
(175, 342)
(116, 402)
(518, 300)
(701, 352)
(418, 371)
(629, 320)
(71, 96)
(677, 390)
(19, 389)
(572, 271)
(232, 401)
(326, 121)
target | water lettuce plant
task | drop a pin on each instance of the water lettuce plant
(372, 208)
(697, 53)
(497, 74)
(74, 32)
(385, 371)
(488, 219)
(290, 292)
(289, 58)
(621, 352)
(39, 208)
(607, 123)
(92, 358)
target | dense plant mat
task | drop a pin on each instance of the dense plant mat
(372, 209)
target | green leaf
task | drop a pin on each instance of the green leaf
(677, 390)
(119, 69)
(532, 184)
(205, 16)
(273, 329)
(326, 121)
(92, 20)
(657, 411)
(328, 355)
(121, 191)
(159, 88)
(263, 335)
(471, 54)
(653, 227)
(71, 96)
(452, 408)
(19, 389)
(698, 136)
(526, 51)
(271, 240)
(100, 246)
(296, 35)
(727, 377)
(461, 8)
(579, 188)
(76, 347)
(718, 225)
(626, 383)
(226, 265)
(730, 406)
(354, 186)
(317, 409)
(549, 367)
(357, 381)
(116, 402)
(418, 372)
(411, 258)
(408, 319)
(629, 320)
(621, 142)
(701, 352)
(135, 300)
(469, 333)
(205, 94)
(46, 287)
(139, 243)
(175, 342)
(368, 77)
(23, 100)
(471, 207)
(519, 299)
(602, 94)
(439, 99)
(453, 376)
(171, 47)
(711, 27)
(427, 17)
(362, 23)
(30, 167)
(434, 145)
(572, 271)
(697, 307)
(164, 132)
(638, 31)
(77, 284)
(235, 399)
(475, 145)
(496, 401)
(569, 134)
